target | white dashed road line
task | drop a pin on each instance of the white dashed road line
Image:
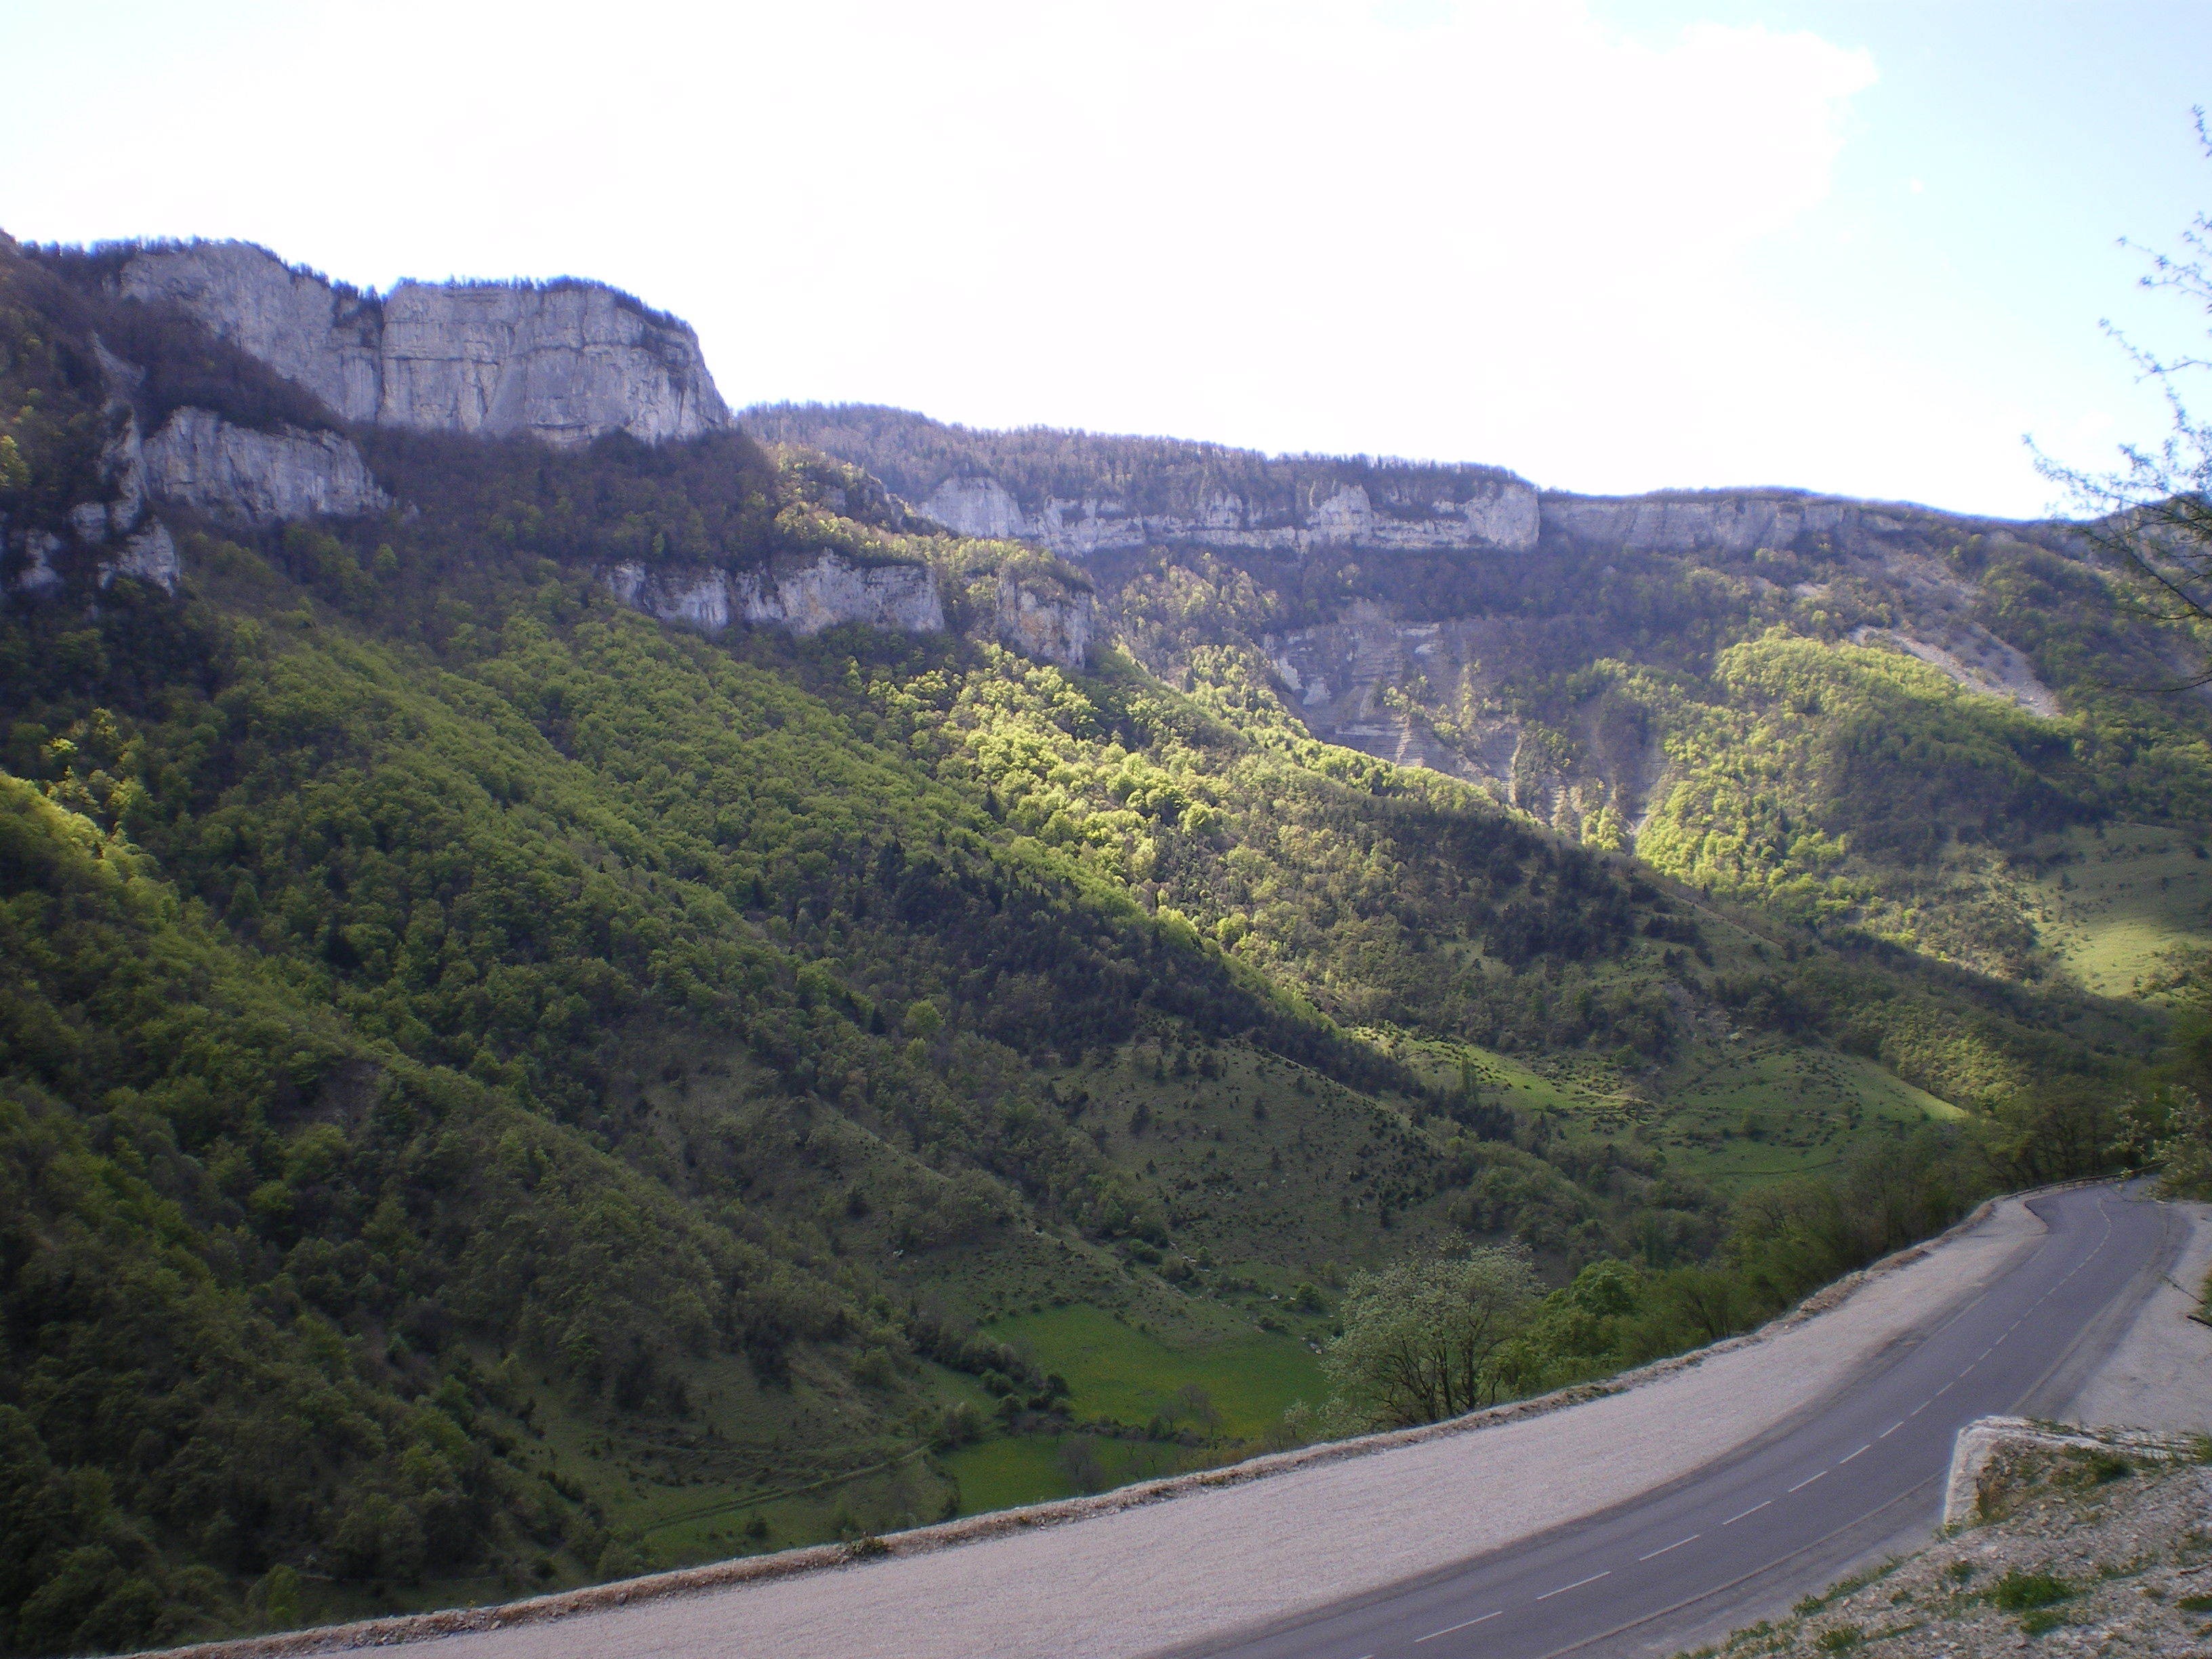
(1466, 1624)
(1577, 1584)
(1463, 1625)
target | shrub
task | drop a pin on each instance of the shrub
(2019, 1592)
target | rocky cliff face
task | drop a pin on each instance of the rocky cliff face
(1498, 513)
(117, 530)
(1055, 626)
(1436, 673)
(1082, 494)
(1728, 521)
(803, 599)
(257, 478)
(565, 362)
(1504, 514)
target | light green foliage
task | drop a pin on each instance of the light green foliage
(1421, 1339)
(494, 1092)
(1779, 776)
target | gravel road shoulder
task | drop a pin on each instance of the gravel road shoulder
(2160, 1375)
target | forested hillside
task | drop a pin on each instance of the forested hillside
(500, 1091)
(1906, 725)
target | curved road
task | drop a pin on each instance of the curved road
(1863, 1469)
(1706, 1496)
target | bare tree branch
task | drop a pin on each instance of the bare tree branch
(2152, 514)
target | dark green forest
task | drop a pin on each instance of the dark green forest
(499, 1092)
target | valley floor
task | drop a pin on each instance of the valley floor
(1144, 1576)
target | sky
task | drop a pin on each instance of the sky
(1614, 244)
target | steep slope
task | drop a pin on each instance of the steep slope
(590, 985)
(1855, 713)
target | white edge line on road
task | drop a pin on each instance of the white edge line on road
(1754, 1509)
(1577, 1584)
(1805, 1482)
(1842, 1460)
(1676, 1545)
(1448, 1629)
(1891, 1429)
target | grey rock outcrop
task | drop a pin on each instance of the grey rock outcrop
(125, 536)
(1733, 521)
(118, 532)
(1501, 513)
(257, 478)
(1039, 623)
(800, 597)
(197, 460)
(150, 556)
(564, 362)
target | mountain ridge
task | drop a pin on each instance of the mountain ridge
(612, 1090)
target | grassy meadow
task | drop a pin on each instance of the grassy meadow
(2120, 899)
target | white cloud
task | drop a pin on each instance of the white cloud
(1490, 231)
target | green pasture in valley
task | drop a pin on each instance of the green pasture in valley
(2121, 900)
(1119, 1374)
(1002, 1474)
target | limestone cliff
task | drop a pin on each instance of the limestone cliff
(1500, 513)
(1429, 661)
(115, 532)
(564, 362)
(257, 478)
(1082, 494)
(1727, 521)
(802, 596)
(1047, 622)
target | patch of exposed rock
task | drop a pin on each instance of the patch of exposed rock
(1045, 622)
(117, 533)
(1977, 659)
(234, 472)
(2072, 1542)
(1733, 521)
(802, 596)
(564, 362)
(1080, 495)
(1348, 682)
(1498, 513)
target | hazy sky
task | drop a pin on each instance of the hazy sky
(1617, 246)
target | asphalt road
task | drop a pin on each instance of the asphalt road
(1862, 1470)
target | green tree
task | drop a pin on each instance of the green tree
(1421, 1339)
